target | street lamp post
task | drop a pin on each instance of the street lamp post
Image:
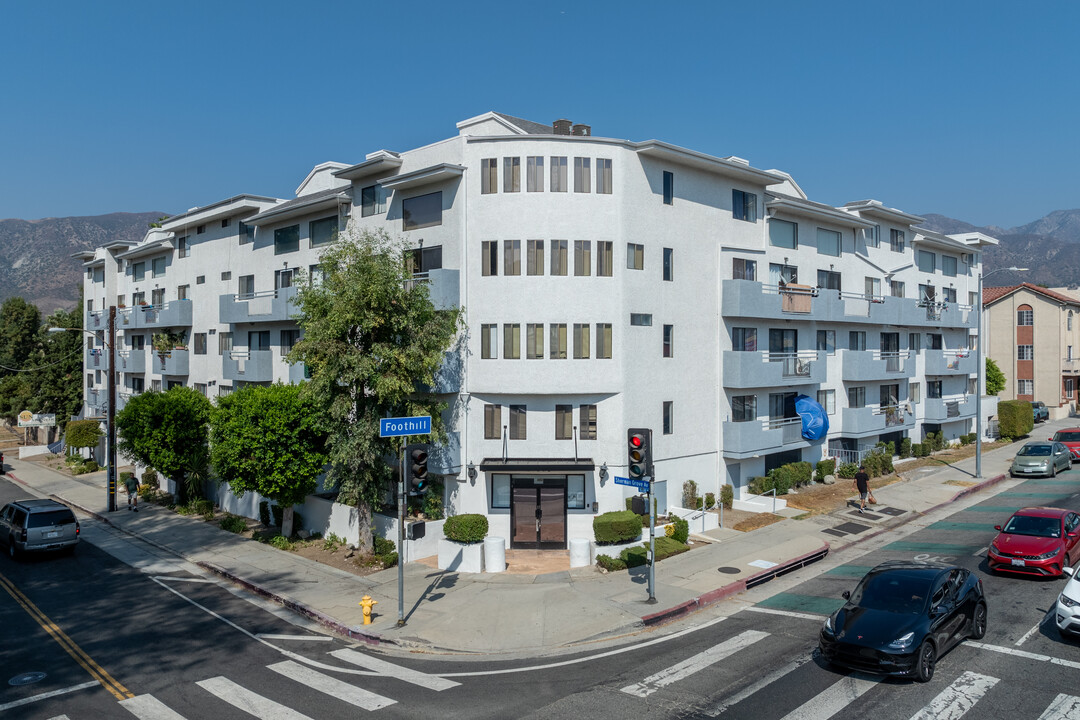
(981, 358)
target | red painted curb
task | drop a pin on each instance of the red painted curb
(981, 486)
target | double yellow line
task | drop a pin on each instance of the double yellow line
(96, 671)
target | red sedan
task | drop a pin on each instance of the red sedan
(1036, 541)
(1070, 438)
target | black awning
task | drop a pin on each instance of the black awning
(538, 465)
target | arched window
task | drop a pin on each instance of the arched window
(1025, 315)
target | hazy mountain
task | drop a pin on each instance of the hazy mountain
(35, 255)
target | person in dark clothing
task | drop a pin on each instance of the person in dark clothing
(862, 484)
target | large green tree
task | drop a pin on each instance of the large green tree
(373, 342)
(267, 440)
(169, 432)
(995, 379)
(57, 381)
(20, 323)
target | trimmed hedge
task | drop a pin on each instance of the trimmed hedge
(639, 555)
(826, 467)
(727, 495)
(82, 433)
(905, 448)
(847, 471)
(616, 527)
(472, 527)
(783, 478)
(681, 531)
(1015, 418)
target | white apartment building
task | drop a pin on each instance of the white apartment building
(606, 284)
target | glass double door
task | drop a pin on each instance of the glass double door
(538, 512)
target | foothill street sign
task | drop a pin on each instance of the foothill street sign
(398, 427)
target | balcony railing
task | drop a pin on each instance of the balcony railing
(861, 365)
(794, 365)
(763, 369)
(894, 415)
(266, 306)
(247, 365)
(131, 361)
(951, 362)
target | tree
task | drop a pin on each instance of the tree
(83, 433)
(267, 440)
(57, 383)
(20, 323)
(373, 343)
(167, 431)
(995, 379)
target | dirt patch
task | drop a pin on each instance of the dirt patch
(759, 520)
(819, 499)
(947, 457)
(961, 483)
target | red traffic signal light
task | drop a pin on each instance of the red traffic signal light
(639, 452)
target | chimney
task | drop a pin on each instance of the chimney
(561, 127)
(580, 129)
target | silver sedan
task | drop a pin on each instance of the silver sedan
(1041, 458)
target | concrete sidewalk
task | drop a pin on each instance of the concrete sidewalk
(505, 613)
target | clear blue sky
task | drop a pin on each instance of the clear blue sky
(968, 109)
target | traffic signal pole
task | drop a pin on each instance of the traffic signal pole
(401, 538)
(652, 545)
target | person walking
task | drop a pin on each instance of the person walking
(862, 484)
(132, 485)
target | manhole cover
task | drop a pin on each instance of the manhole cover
(728, 570)
(26, 678)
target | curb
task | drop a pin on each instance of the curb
(980, 486)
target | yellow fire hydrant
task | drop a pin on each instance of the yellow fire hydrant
(367, 603)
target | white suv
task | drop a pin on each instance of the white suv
(38, 526)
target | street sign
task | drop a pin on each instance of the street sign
(29, 419)
(398, 427)
(642, 485)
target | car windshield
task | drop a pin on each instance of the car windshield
(1036, 526)
(896, 592)
(1034, 450)
(50, 518)
(1067, 436)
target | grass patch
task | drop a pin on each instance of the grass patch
(758, 521)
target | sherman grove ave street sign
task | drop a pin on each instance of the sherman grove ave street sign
(397, 427)
(642, 485)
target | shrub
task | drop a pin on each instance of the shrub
(689, 494)
(965, 439)
(333, 542)
(264, 513)
(803, 473)
(204, 508)
(147, 493)
(710, 500)
(639, 555)
(233, 523)
(826, 467)
(727, 495)
(433, 501)
(386, 551)
(847, 471)
(1015, 418)
(681, 530)
(905, 448)
(82, 433)
(616, 527)
(281, 542)
(473, 528)
(150, 478)
(609, 563)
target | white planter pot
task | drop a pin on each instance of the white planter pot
(462, 557)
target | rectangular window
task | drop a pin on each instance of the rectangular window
(534, 257)
(284, 278)
(493, 423)
(581, 341)
(534, 174)
(783, 274)
(827, 400)
(224, 342)
(489, 258)
(872, 236)
(896, 288)
(489, 344)
(155, 385)
(511, 257)
(603, 341)
(200, 388)
(933, 341)
(927, 294)
(933, 389)
(783, 234)
(603, 176)
(604, 263)
(138, 298)
(500, 491)
(896, 240)
(322, 232)
(872, 286)
(534, 341)
(517, 422)
(971, 385)
(828, 242)
(1025, 317)
(1070, 387)
(287, 239)
(372, 200)
(1025, 352)
(1025, 387)
(826, 341)
(289, 338)
(582, 174)
(669, 264)
(225, 222)
(258, 340)
(641, 319)
(948, 295)
(137, 384)
(948, 266)
(927, 261)
(828, 279)
(669, 417)
(669, 188)
(316, 275)
(557, 341)
(138, 271)
(200, 279)
(489, 176)
(200, 230)
(582, 257)
(559, 255)
(744, 408)
(564, 422)
(856, 397)
(669, 341)
(157, 297)
(421, 261)
(635, 256)
(511, 341)
(421, 211)
(558, 174)
(744, 339)
(857, 340)
(744, 206)
(245, 232)
(511, 174)
(182, 246)
(157, 266)
(199, 344)
(743, 269)
(182, 292)
(915, 393)
(587, 429)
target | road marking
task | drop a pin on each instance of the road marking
(966, 526)
(1024, 654)
(60, 717)
(786, 613)
(1064, 707)
(849, 571)
(251, 703)
(47, 695)
(431, 682)
(96, 671)
(1035, 629)
(1010, 509)
(691, 665)
(1030, 495)
(979, 552)
(171, 578)
(799, 603)
(331, 686)
(763, 682)
(148, 707)
(834, 698)
(955, 700)
(933, 548)
(308, 638)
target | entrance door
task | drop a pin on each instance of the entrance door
(538, 513)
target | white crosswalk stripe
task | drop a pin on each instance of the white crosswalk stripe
(692, 665)
(148, 707)
(1064, 707)
(763, 682)
(834, 698)
(331, 686)
(431, 682)
(248, 701)
(955, 700)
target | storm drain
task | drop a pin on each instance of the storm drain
(26, 678)
(851, 528)
(894, 512)
(728, 570)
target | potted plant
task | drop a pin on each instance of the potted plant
(463, 546)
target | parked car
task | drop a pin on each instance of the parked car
(1040, 411)
(902, 617)
(1041, 458)
(1070, 438)
(38, 526)
(1067, 612)
(1036, 541)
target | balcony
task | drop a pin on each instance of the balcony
(1070, 365)
(762, 369)
(866, 421)
(866, 365)
(761, 437)
(174, 362)
(443, 287)
(131, 361)
(96, 359)
(97, 320)
(951, 362)
(269, 306)
(176, 313)
(248, 366)
(950, 409)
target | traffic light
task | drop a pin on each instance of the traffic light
(639, 452)
(418, 457)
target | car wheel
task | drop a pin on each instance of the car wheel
(1053, 469)
(978, 622)
(924, 664)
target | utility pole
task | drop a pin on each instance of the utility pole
(110, 415)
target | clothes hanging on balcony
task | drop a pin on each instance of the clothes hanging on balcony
(815, 421)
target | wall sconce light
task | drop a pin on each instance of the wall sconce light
(471, 471)
(603, 472)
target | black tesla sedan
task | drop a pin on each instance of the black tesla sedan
(902, 617)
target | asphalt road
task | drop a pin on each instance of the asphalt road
(118, 626)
